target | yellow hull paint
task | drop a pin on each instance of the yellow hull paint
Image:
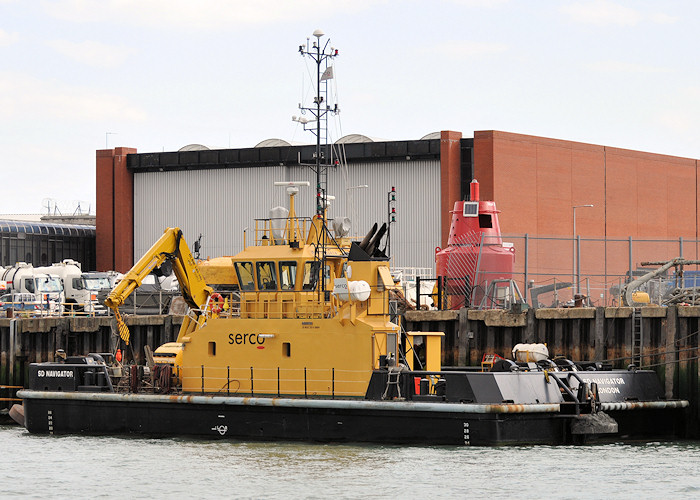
(316, 357)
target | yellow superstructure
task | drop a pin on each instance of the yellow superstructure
(310, 315)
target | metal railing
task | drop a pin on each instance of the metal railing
(71, 309)
(274, 230)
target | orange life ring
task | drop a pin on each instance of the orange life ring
(216, 303)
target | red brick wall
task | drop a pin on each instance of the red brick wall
(115, 210)
(450, 173)
(536, 181)
(483, 163)
(104, 223)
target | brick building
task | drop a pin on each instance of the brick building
(645, 205)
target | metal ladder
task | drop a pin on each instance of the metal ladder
(393, 381)
(637, 336)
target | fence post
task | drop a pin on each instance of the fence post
(578, 264)
(588, 291)
(527, 249)
(630, 258)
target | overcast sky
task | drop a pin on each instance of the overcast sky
(161, 74)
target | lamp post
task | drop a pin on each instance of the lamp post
(575, 249)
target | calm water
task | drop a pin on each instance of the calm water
(111, 467)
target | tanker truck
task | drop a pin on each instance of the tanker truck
(25, 278)
(80, 288)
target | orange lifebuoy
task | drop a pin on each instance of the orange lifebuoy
(216, 303)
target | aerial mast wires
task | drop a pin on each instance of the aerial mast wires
(320, 109)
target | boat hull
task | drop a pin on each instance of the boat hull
(263, 418)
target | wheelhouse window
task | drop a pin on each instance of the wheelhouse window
(244, 271)
(267, 279)
(311, 270)
(288, 274)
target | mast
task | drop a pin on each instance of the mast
(320, 110)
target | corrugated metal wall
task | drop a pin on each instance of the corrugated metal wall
(220, 203)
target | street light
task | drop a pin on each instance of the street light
(575, 277)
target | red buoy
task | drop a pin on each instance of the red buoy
(119, 355)
(475, 253)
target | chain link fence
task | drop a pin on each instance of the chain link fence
(559, 271)
(552, 271)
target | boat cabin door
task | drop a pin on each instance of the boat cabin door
(424, 348)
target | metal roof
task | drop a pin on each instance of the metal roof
(353, 152)
(15, 226)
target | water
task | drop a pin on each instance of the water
(127, 467)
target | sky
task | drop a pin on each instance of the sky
(81, 75)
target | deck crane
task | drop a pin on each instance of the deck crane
(170, 250)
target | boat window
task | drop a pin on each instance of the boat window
(244, 270)
(288, 274)
(266, 276)
(29, 285)
(311, 269)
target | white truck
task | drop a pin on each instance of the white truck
(80, 288)
(24, 278)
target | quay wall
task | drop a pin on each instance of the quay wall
(34, 340)
(669, 340)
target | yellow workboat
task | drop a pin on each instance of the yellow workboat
(306, 318)
(299, 342)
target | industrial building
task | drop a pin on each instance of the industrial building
(42, 243)
(633, 206)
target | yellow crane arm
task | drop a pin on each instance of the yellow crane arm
(169, 247)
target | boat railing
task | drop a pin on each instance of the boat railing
(280, 304)
(277, 381)
(279, 231)
(283, 304)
